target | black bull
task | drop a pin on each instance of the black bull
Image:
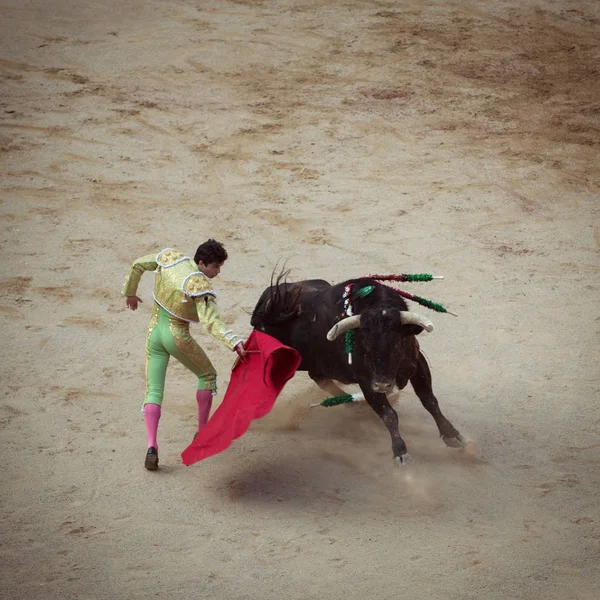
(306, 315)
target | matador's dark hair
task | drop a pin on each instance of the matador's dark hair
(209, 252)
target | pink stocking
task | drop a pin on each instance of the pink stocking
(152, 417)
(204, 400)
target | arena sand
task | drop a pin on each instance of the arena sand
(346, 138)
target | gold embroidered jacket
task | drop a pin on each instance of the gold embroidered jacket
(183, 291)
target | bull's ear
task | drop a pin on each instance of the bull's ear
(410, 329)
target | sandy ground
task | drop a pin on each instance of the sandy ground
(344, 137)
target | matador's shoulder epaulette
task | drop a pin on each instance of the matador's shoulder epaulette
(169, 257)
(197, 284)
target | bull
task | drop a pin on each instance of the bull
(312, 316)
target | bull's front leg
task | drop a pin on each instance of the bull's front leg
(421, 382)
(379, 403)
(327, 385)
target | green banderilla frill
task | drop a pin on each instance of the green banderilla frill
(415, 277)
(364, 291)
(349, 339)
(423, 301)
(432, 305)
(418, 277)
(343, 399)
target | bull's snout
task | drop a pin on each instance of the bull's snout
(382, 386)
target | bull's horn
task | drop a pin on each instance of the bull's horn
(411, 318)
(343, 326)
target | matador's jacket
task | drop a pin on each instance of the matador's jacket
(182, 291)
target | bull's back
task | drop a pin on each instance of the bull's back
(288, 312)
(269, 304)
(313, 285)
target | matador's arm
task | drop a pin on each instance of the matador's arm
(209, 316)
(146, 263)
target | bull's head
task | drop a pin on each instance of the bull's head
(387, 343)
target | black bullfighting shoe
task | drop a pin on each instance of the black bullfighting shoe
(151, 462)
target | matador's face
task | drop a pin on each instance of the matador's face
(211, 269)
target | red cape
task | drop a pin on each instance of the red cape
(251, 394)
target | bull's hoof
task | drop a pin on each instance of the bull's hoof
(399, 461)
(455, 442)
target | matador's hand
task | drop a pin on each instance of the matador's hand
(241, 351)
(132, 302)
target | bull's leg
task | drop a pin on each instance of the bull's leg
(379, 403)
(327, 385)
(421, 382)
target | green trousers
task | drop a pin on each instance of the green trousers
(169, 336)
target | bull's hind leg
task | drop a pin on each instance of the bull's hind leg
(379, 403)
(421, 382)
